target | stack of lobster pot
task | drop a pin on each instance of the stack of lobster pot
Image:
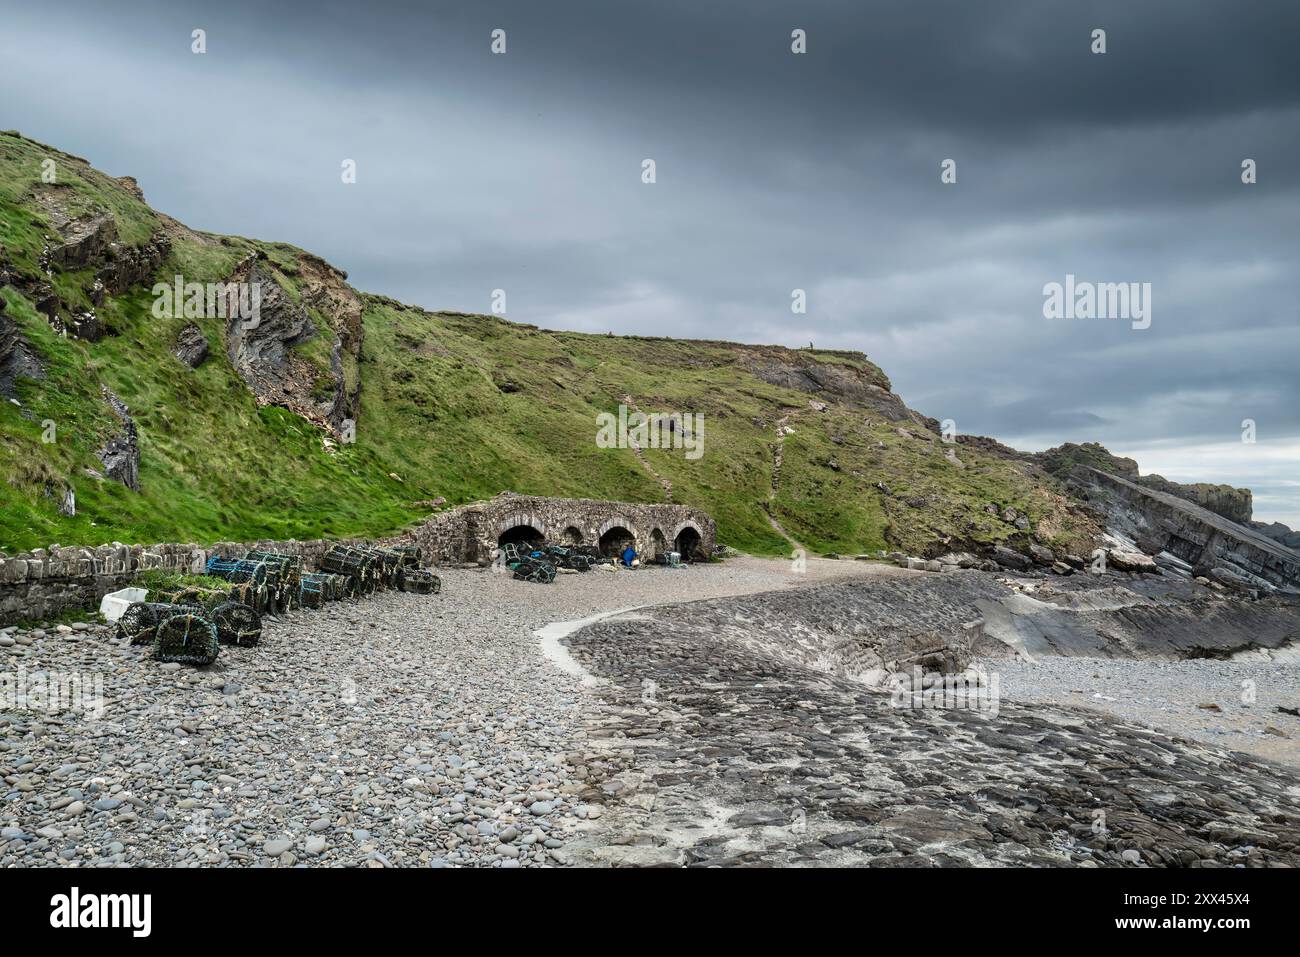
(248, 580)
(357, 565)
(316, 588)
(233, 623)
(180, 633)
(388, 564)
(283, 574)
(411, 555)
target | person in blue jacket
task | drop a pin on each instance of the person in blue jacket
(629, 556)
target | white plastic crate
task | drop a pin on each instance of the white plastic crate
(114, 603)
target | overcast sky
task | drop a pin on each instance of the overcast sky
(775, 171)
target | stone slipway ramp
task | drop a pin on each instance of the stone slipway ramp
(725, 752)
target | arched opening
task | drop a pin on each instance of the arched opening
(573, 535)
(520, 535)
(658, 544)
(690, 545)
(615, 540)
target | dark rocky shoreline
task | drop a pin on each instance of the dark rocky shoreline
(734, 753)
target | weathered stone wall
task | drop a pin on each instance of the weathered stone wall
(44, 583)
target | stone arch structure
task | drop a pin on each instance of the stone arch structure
(688, 539)
(473, 532)
(614, 535)
(658, 543)
(519, 527)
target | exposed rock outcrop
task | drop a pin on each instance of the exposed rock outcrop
(1159, 521)
(87, 240)
(863, 386)
(746, 756)
(17, 360)
(262, 349)
(191, 346)
(121, 454)
(1234, 504)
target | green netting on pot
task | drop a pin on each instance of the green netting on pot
(534, 570)
(420, 581)
(354, 563)
(311, 591)
(189, 639)
(237, 569)
(283, 574)
(411, 555)
(567, 556)
(389, 563)
(251, 594)
(237, 624)
(138, 623)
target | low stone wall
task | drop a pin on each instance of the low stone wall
(45, 583)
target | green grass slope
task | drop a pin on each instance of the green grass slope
(436, 422)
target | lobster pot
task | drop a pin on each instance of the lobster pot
(421, 581)
(138, 623)
(332, 587)
(534, 570)
(237, 570)
(387, 563)
(283, 574)
(311, 592)
(254, 596)
(186, 638)
(335, 587)
(411, 555)
(355, 564)
(237, 624)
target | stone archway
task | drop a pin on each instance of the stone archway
(688, 540)
(572, 535)
(521, 535)
(520, 528)
(658, 543)
(614, 539)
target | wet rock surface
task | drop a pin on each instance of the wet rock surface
(730, 756)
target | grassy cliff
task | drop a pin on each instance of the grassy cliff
(445, 405)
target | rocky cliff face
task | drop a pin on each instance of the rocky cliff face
(87, 239)
(1234, 504)
(262, 349)
(1161, 522)
(17, 360)
(856, 381)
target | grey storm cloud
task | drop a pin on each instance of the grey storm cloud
(775, 171)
